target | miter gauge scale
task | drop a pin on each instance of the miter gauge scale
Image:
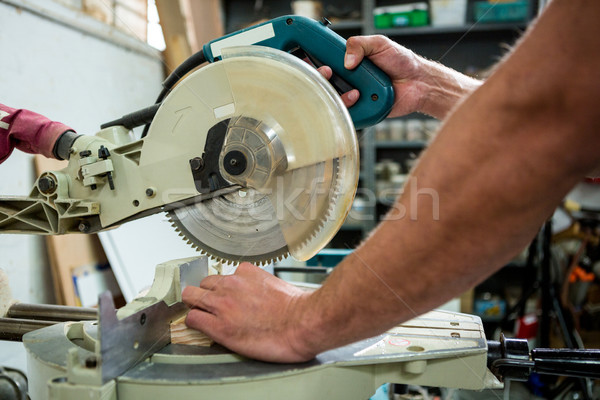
(277, 130)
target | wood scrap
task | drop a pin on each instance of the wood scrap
(181, 334)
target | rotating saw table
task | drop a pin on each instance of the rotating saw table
(128, 355)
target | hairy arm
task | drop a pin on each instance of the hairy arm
(502, 161)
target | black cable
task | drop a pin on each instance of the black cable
(146, 115)
(134, 119)
(194, 61)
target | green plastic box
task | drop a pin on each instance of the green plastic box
(415, 14)
(516, 11)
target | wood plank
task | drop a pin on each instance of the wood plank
(175, 33)
(181, 334)
(204, 21)
(99, 10)
(131, 17)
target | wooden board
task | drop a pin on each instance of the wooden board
(175, 33)
(129, 16)
(204, 21)
(181, 334)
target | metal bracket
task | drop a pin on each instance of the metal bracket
(144, 326)
(141, 328)
(205, 170)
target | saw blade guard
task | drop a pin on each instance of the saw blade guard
(297, 143)
(312, 195)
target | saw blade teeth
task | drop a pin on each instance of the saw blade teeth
(328, 117)
(197, 213)
(229, 259)
(335, 191)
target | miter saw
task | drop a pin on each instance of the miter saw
(253, 156)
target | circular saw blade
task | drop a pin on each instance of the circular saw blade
(302, 154)
(239, 226)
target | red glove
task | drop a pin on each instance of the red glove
(27, 131)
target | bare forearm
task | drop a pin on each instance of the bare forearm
(501, 163)
(444, 88)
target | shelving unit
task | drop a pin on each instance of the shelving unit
(411, 145)
(432, 30)
(472, 47)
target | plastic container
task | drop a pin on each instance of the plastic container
(487, 12)
(448, 12)
(414, 14)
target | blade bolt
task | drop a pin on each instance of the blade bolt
(235, 162)
(196, 163)
(47, 185)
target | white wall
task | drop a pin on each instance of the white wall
(81, 79)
